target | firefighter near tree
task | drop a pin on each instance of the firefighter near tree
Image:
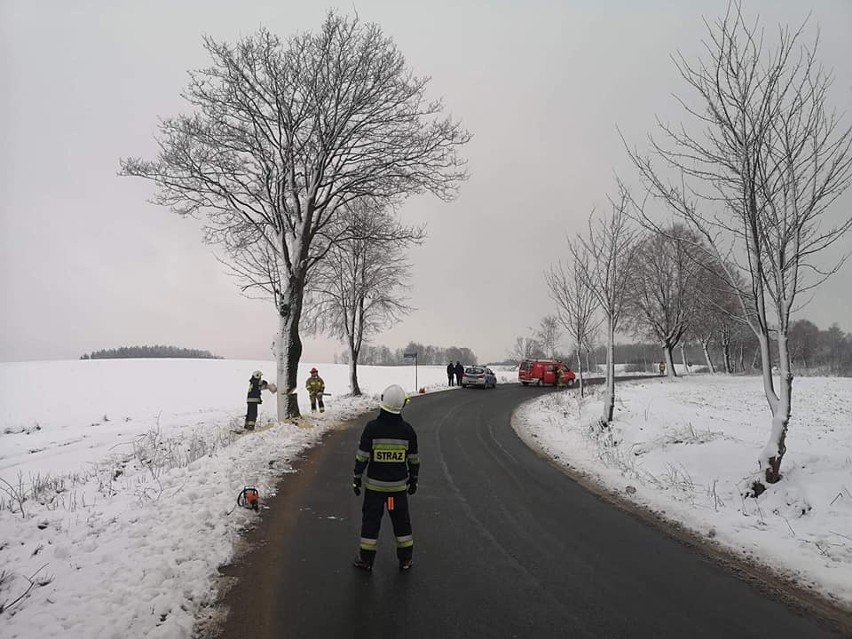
(256, 385)
(316, 389)
(387, 466)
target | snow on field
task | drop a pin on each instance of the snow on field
(129, 471)
(119, 478)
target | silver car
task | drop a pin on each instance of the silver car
(479, 376)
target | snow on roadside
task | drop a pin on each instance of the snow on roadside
(687, 448)
(129, 472)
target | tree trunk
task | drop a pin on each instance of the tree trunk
(289, 352)
(781, 405)
(667, 355)
(353, 372)
(355, 338)
(580, 373)
(707, 359)
(683, 358)
(725, 343)
(609, 396)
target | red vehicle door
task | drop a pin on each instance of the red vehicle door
(542, 372)
(549, 376)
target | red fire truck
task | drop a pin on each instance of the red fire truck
(542, 372)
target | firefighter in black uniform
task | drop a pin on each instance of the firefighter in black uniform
(256, 384)
(388, 453)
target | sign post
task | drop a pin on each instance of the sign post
(414, 357)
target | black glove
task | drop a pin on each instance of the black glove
(412, 487)
(356, 486)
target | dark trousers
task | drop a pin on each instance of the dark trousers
(450, 379)
(372, 511)
(251, 415)
(317, 400)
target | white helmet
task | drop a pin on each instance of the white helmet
(257, 374)
(394, 399)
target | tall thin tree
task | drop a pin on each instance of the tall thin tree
(548, 334)
(359, 289)
(575, 302)
(610, 246)
(758, 183)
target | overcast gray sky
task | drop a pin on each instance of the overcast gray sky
(87, 263)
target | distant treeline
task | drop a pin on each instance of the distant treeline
(426, 355)
(145, 352)
(812, 352)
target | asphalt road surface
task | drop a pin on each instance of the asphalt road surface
(506, 545)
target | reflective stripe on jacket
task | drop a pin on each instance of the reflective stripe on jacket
(387, 451)
(254, 391)
(315, 385)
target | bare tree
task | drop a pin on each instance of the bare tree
(663, 288)
(610, 249)
(548, 335)
(590, 346)
(804, 338)
(704, 326)
(575, 302)
(717, 312)
(358, 290)
(526, 348)
(283, 136)
(758, 184)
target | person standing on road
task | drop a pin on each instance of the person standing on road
(451, 373)
(316, 388)
(387, 466)
(662, 368)
(459, 373)
(256, 384)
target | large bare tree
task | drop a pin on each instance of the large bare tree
(358, 290)
(575, 303)
(282, 136)
(609, 247)
(663, 287)
(758, 182)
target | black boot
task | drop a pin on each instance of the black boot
(363, 565)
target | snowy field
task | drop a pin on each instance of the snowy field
(127, 472)
(119, 478)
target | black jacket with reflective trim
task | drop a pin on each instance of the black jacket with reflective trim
(254, 391)
(388, 452)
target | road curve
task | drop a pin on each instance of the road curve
(506, 545)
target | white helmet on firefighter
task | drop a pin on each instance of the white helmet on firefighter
(394, 399)
(257, 374)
